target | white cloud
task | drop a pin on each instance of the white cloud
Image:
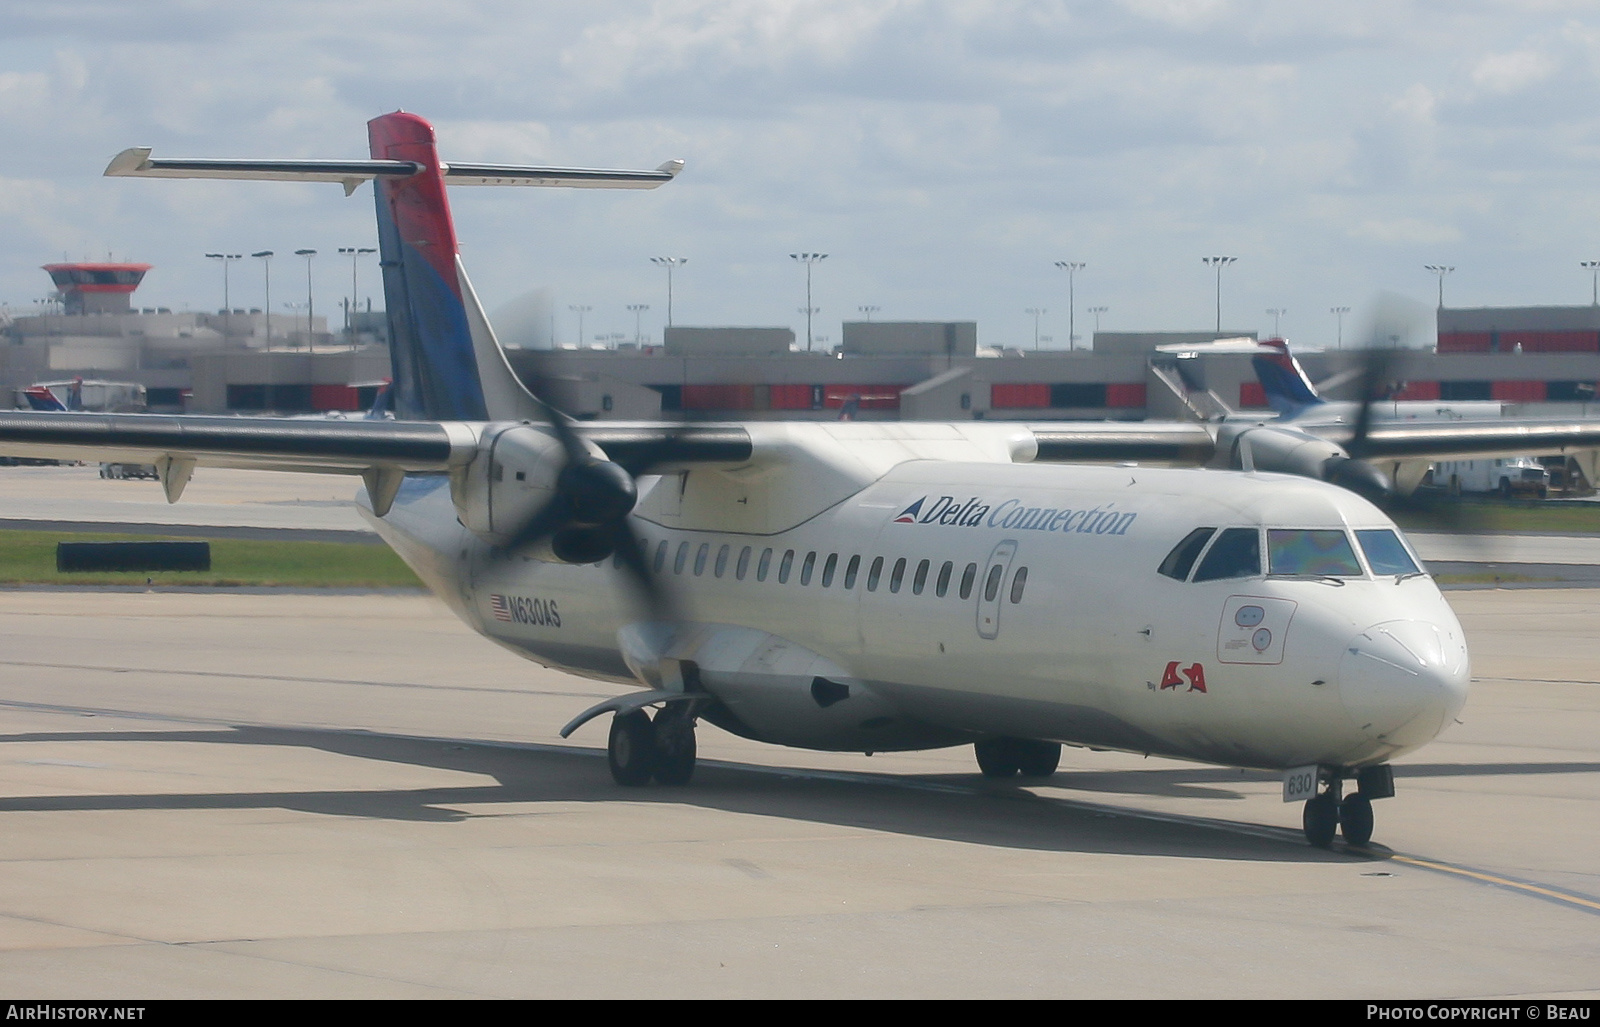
(1510, 72)
(1417, 103)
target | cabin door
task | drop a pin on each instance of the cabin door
(990, 587)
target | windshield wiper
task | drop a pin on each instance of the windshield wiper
(1326, 579)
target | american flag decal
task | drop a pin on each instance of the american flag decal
(502, 610)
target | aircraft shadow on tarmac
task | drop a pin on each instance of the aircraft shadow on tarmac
(951, 807)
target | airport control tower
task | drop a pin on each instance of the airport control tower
(96, 288)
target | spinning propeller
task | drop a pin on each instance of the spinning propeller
(586, 518)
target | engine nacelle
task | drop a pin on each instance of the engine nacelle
(1285, 451)
(511, 479)
(1274, 449)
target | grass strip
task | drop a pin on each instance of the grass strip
(1502, 516)
(29, 558)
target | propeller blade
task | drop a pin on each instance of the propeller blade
(1374, 387)
(549, 520)
(650, 590)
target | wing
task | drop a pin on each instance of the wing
(1416, 440)
(382, 452)
(275, 443)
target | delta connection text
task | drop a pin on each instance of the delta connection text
(1011, 514)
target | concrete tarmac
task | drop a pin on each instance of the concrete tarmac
(298, 796)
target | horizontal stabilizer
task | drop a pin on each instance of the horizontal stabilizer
(137, 163)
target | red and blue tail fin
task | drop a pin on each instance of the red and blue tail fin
(1288, 390)
(430, 343)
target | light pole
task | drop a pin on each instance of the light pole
(294, 314)
(580, 311)
(669, 263)
(1097, 311)
(265, 256)
(869, 311)
(1339, 312)
(1593, 267)
(354, 253)
(638, 312)
(1441, 270)
(1277, 314)
(1071, 267)
(227, 304)
(1219, 263)
(808, 259)
(1037, 312)
(311, 308)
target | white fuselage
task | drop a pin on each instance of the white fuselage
(804, 643)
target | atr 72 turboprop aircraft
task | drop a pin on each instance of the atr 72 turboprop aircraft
(869, 586)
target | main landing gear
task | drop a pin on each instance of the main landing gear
(1008, 757)
(1350, 816)
(663, 749)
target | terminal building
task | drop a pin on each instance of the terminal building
(241, 360)
(939, 371)
(1544, 360)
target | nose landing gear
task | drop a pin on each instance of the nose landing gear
(1320, 819)
(1355, 819)
(1350, 816)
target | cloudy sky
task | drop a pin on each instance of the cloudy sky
(945, 155)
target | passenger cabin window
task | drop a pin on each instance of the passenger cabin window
(1324, 552)
(828, 569)
(700, 558)
(661, 556)
(920, 580)
(1385, 552)
(744, 563)
(683, 554)
(1018, 582)
(991, 586)
(968, 576)
(807, 567)
(851, 569)
(764, 565)
(722, 561)
(943, 584)
(897, 575)
(1181, 560)
(874, 573)
(1235, 554)
(786, 566)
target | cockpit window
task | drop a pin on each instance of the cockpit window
(1385, 552)
(1235, 554)
(1311, 551)
(1181, 560)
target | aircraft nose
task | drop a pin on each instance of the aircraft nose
(1404, 680)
